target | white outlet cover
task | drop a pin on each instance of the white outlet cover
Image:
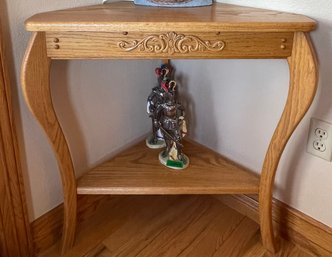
(320, 134)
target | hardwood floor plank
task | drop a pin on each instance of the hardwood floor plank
(170, 226)
(187, 235)
(99, 249)
(236, 243)
(217, 230)
(108, 219)
(141, 235)
(116, 216)
(105, 253)
(255, 248)
(288, 249)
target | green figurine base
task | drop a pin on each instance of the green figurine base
(155, 145)
(172, 164)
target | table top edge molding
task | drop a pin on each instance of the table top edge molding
(125, 16)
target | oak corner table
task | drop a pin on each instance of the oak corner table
(124, 31)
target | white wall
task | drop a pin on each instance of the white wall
(235, 105)
(101, 105)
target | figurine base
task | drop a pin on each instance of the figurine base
(159, 144)
(176, 165)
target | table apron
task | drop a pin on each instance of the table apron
(168, 44)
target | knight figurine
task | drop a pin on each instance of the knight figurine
(173, 128)
(155, 99)
(168, 122)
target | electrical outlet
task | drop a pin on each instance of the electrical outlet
(320, 139)
(319, 146)
(321, 133)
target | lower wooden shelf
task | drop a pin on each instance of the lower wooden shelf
(138, 171)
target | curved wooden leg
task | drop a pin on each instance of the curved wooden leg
(303, 84)
(36, 88)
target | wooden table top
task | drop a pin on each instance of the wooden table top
(126, 16)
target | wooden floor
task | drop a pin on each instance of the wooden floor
(169, 226)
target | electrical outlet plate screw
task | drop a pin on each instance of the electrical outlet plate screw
(320, 139)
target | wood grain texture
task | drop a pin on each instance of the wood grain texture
(125, 16)
(36, 88)
(15, 236)
(95, 32)
(47, 229)
(168, 226)
(137, 45)
(293, 225)
(177, 231)
(302, 89)
(138, 171)
(286, 249)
